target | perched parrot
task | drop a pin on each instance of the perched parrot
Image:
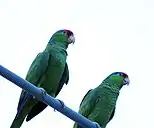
(50, 71)
(98, 105)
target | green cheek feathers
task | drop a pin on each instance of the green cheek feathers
(60, 37)
(116, 78)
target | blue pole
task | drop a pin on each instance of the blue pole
(41, 95)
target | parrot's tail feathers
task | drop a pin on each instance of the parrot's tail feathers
(22, 103)
(77, 126)
(17, 122)
(39, 107)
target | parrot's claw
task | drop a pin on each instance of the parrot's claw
(96, 125)
(62, 103)
(42, 94)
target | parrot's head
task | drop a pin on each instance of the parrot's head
(119, 78)
(63, 37)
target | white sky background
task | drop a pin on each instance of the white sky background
(110, 36)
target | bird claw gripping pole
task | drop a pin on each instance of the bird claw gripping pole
(96, 125)
(62, 104)
(42, 94)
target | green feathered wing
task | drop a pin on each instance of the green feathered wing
(49, 70)
(40, 106)
(98, 106)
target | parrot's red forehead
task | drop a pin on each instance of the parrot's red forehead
(124, 75)
(69, 32)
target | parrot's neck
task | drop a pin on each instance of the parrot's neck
(50, 46)
(112, 86)
(62, 45)
(59, 42)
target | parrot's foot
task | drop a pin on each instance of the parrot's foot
(96, 125)
(42, 94)
(62, 103)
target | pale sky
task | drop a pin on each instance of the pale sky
(110, 36)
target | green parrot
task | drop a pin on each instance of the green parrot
(98, 105)
(50, 71)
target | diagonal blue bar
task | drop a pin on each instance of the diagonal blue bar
(41, 94)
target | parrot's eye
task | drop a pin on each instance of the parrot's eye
(120, 74)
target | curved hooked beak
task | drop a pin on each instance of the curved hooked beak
(71, 39)
(126, 81)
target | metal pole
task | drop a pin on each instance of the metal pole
(41, 95)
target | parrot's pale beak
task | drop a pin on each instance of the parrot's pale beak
(71, 39)
(126, 81)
